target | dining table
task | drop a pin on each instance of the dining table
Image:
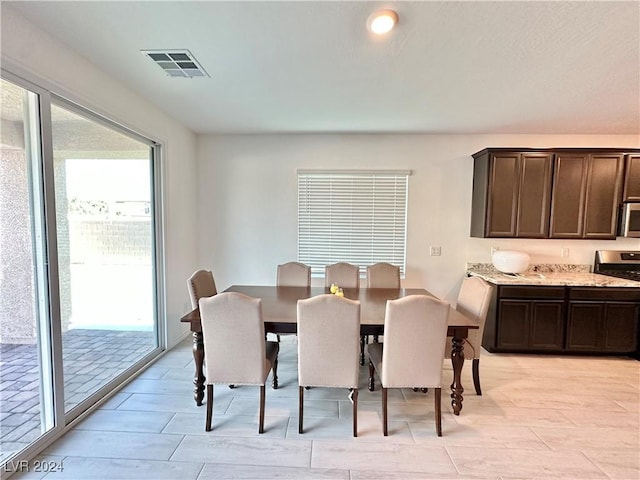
(279, 312)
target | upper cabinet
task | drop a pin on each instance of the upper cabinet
(632, 179)
(551, 193)
(586, 195)
(511, 194)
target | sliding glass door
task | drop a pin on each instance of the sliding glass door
(26, 382)
(103, 182)
(79, 256)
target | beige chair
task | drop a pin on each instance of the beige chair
(328, 331)
(294, 274)
(235, 350)
(344, 274)
(415, 328)
(473, 301)
(201, 284)
(383, 275)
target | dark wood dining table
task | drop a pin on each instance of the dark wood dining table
(279, 311)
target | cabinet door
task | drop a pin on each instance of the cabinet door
(513, 324)
(632, 179)
(534, 195)
(502, 195)
(584, 326)
(568, 195)
(604, 181)
(547, 325)
(620, 327)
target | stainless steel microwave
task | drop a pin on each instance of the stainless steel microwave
(630, 220)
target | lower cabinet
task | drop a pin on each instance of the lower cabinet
(534, 324)
(606, 322)
(563, 319)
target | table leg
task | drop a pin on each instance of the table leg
(198, 357)
(457, 361)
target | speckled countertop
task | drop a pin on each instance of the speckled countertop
(549, 274)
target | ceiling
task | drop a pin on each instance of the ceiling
(448, 67)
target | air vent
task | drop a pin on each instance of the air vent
(176, 63)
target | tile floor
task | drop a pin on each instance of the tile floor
(539, 417)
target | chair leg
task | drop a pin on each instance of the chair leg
(362, 340)
(261, 424)
(274, 369)
(354, 397)
(437, 396)
(207, 425)
(300, 407)
(385, 432)
(475, 366)
(372, 382)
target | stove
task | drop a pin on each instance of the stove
(618, 263)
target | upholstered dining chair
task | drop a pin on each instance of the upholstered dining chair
(473, 301)
(415, 328)
(328, 332)
(344, 274)
(383, 275)
(294, 274)
(235, 350)
(201, 284)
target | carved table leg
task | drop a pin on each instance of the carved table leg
(198, 357)
(457, 361)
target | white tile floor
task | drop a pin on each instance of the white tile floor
(539, 417)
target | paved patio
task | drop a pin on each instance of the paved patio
(91, 359)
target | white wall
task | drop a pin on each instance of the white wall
(36, 56)
(247, 185)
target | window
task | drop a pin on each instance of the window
(358, 217)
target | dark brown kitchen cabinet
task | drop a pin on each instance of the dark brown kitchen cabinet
(532, 325)
(603, 321)
(558, 319)
(511, 194)
(552, 193)
(534, 322)
(586, 194)
(632, 179)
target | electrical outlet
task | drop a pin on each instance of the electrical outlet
(435, 251)
(494, 250)
(565, 252)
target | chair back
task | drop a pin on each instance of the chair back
(415, 329)
(201, 284)
(383, 275)
(344, 274)
(328, 341)
(294, 274)
(473, 301)
(234, 345)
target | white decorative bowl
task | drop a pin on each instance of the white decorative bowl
(510, 261)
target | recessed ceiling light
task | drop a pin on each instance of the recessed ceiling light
(176, 63)
(382, 21)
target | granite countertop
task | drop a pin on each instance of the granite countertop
(550, 275)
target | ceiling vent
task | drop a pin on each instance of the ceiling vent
(176, 63)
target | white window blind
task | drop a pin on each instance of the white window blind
(358, 217)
